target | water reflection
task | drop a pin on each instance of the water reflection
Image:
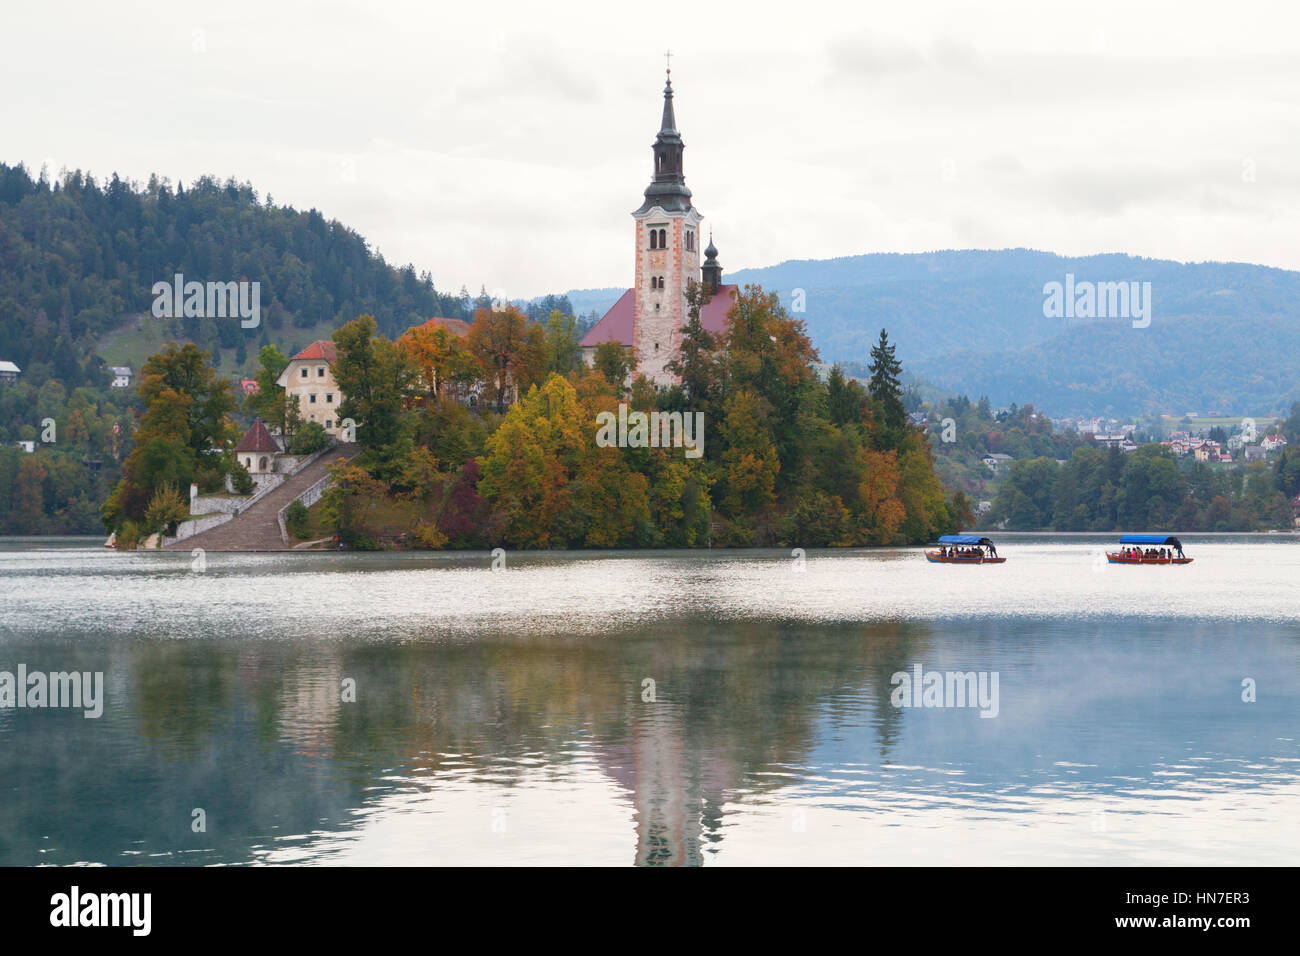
(765, 740)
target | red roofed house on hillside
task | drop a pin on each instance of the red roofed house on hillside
(310, 379)
(648, 318)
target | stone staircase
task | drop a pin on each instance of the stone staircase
(258, 528)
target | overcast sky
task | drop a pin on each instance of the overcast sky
(506, 144)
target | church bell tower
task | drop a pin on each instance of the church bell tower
(667, 254)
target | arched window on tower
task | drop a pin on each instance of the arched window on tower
(654, 238)
(663, 238)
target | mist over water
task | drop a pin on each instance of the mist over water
(503, 716)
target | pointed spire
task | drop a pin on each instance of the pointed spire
(669, 124)
(667, 188)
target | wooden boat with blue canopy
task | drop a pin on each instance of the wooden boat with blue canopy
(1148, 549)
(964, 549)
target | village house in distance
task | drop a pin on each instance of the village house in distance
(647, 319)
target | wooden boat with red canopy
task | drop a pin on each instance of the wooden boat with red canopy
(964, 549)
(1148, 549)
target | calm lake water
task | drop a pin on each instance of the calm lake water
(661, 708)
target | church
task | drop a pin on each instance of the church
(647, 319)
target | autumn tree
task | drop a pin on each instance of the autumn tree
(749, 462)
(351, 501)
(442, 358)
(183, 436)
(552, 485)
(770, 355)
(510, 351)
(879, 512)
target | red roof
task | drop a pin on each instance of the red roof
(257, 439)
(320, 349)
(456, 326)
(616, 326)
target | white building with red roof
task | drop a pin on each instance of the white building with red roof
(647, 319)
(257, 450)
(309, 378)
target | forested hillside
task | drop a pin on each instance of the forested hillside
(1222, 336)
(77, 255)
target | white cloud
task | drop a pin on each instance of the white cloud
(505, 144)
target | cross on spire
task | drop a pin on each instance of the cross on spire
(668, 60)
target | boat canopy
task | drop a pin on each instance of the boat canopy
(1151, 539)
(965, 539)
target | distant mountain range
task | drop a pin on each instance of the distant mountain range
(79, 258)
(1223, 337)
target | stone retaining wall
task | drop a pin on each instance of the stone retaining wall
(193, 526)
(212, 504)
(308, 498)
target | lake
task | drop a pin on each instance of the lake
(656, 708)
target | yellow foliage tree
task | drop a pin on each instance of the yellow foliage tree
(881, 512)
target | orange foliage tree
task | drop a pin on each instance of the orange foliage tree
(510, 352)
